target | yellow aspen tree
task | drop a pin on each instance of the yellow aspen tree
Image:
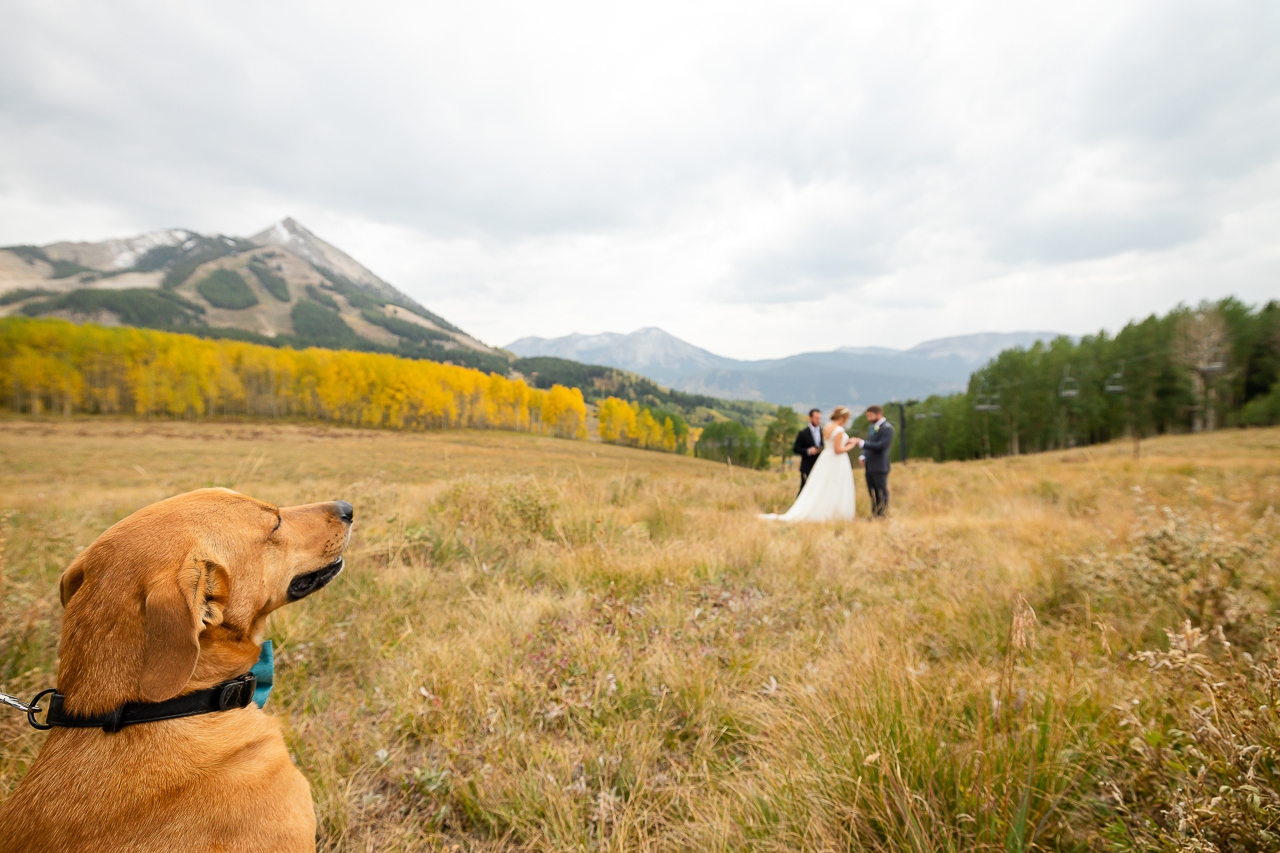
(53, 365)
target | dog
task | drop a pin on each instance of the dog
(171, 601)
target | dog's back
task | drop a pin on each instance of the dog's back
(215, 782)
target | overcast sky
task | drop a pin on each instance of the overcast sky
(759, 179)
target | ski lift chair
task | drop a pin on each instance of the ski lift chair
(1115, 382)
(1069, 386)
(984, 401)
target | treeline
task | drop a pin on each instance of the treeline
(629, 424)
(731, 442)
(1193, 369)
(599, 382)
(52, 366)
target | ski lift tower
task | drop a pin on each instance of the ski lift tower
(1069, 389)
(902, 421)
(986, 402)
(1115, 386)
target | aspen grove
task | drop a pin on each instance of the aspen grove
(52, 366)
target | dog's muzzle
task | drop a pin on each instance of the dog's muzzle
(304, 585)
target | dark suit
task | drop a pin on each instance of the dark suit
(876, 451)
(804, 440)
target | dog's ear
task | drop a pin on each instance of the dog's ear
(71, 580)
(174, 614)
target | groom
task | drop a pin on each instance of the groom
(809, 444)
(875, 458)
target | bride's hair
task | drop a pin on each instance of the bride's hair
(840, 414)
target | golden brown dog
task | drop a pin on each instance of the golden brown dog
(172, 600)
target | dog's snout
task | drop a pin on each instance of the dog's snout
(345, 511)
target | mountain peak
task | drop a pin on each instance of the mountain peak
(284, 232)
(178, 260)
(290, 234)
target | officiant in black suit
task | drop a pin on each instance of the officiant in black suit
(875, 458)
(809, 444)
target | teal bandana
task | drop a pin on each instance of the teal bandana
(262, 670)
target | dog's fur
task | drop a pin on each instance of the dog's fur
(174, 599)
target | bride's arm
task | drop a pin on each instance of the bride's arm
(843, 443)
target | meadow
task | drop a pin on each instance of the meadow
(541, 644)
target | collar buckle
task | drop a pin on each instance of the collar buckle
(237, 693)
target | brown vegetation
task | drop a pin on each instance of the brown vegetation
(555, 645)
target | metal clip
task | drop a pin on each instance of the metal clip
(15, 702)
(30, 710)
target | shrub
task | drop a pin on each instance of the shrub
(1181, 567)
(403, 328)
(30, 254)
(202, 250)
(24, 293)
(323, 298)
(1198, 769)
(356, 295)
(318, 323)
(272, 283)
(156, 258)
(135, 307)
(521, 506)
(427, 315)
(66, 269)
(61, 269)
(1263, 411)
(227, 289)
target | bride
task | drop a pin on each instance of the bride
(828, 493)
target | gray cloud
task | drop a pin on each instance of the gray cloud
(719, 156)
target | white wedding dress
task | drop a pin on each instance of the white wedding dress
(828, 493)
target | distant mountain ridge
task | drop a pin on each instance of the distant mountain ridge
(858, 375)
(649, 351)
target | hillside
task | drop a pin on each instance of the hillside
(846, 376)
(283, 285)
(546, 645)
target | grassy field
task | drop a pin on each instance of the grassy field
(554, 645)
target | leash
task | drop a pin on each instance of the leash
(254, 686)
(30, 710)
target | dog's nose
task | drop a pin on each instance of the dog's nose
(345, 511)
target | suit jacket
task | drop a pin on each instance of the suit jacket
(877, 448)
(804, 440)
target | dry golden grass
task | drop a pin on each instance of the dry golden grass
(552, 645)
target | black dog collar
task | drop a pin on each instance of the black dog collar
(227, 696)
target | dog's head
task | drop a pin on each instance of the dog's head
(175, 597)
